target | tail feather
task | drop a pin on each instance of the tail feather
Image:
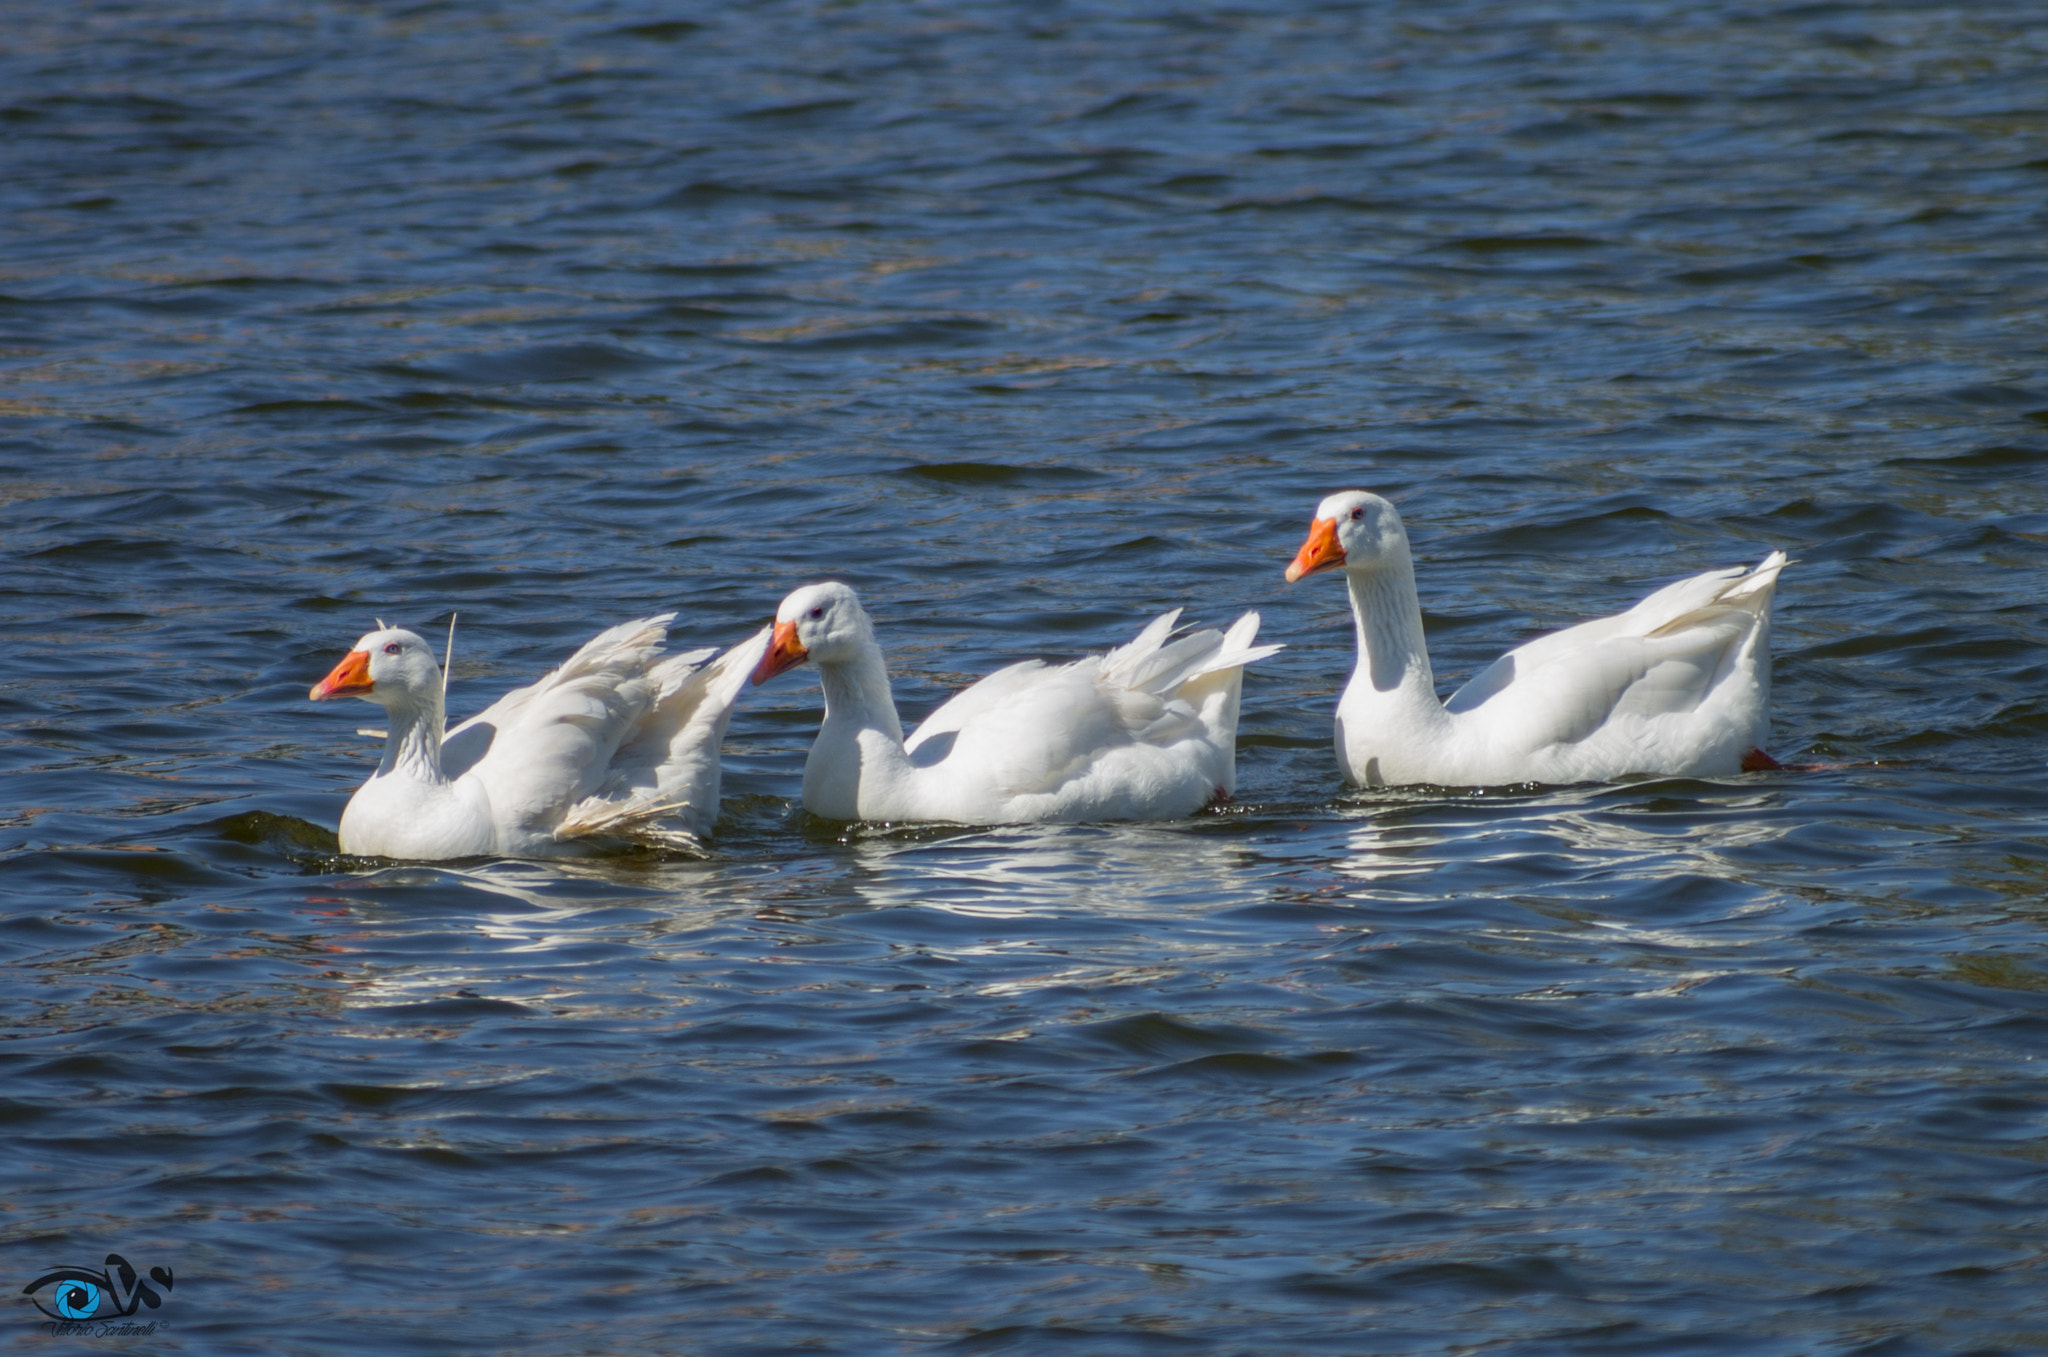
(675, 670)
(631, 644)
(1242, 632)
(1176, 661)
(1760, 581)
(670, 768)
(727, 675)
(1150, 663)
(1750, 594)
(1235, 651)
(1123, 662)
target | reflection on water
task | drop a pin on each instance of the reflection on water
(1049, 871)
(1384, 849)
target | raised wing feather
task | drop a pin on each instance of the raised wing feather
(1650, 661)
(1031, 726)
(1669, 607)
(464, 746)
(543, 747)
(664, 781)
(1577, 693)
(1129, 681)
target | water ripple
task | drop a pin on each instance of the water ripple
(1032, 323)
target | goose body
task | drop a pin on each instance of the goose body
(1679, 684)
(1146, 731)
(620, 740)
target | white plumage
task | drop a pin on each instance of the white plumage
(1147, 731)
(620, 740)
(1678, 684)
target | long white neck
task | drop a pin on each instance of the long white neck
(859, 756)
(413, 748)
(1387, 615)
(1391, 702)
(857, 694)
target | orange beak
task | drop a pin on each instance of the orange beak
(784, 652)
(351, 678)
(1319, 552)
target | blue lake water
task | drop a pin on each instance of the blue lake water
(1032, 321)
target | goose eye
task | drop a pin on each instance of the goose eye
(818, 612)
(1358, 513)
(392, 647)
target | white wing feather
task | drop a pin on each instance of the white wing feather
(551, 743)
(1663, 656)
(1031, 729)
(664, 782)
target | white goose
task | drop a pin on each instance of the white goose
(1147, 731)
(1678, 684)
(618, 741)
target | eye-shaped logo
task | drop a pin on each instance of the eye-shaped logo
(80, 1294)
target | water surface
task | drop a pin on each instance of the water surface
(1032, 322)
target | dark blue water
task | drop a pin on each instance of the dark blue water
(1031, 321)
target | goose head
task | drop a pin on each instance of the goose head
(390, 666)
(1353, 530)
(820, 622)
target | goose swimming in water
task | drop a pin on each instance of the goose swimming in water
(620, 740)
(1145, 732)
(1678, 684)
